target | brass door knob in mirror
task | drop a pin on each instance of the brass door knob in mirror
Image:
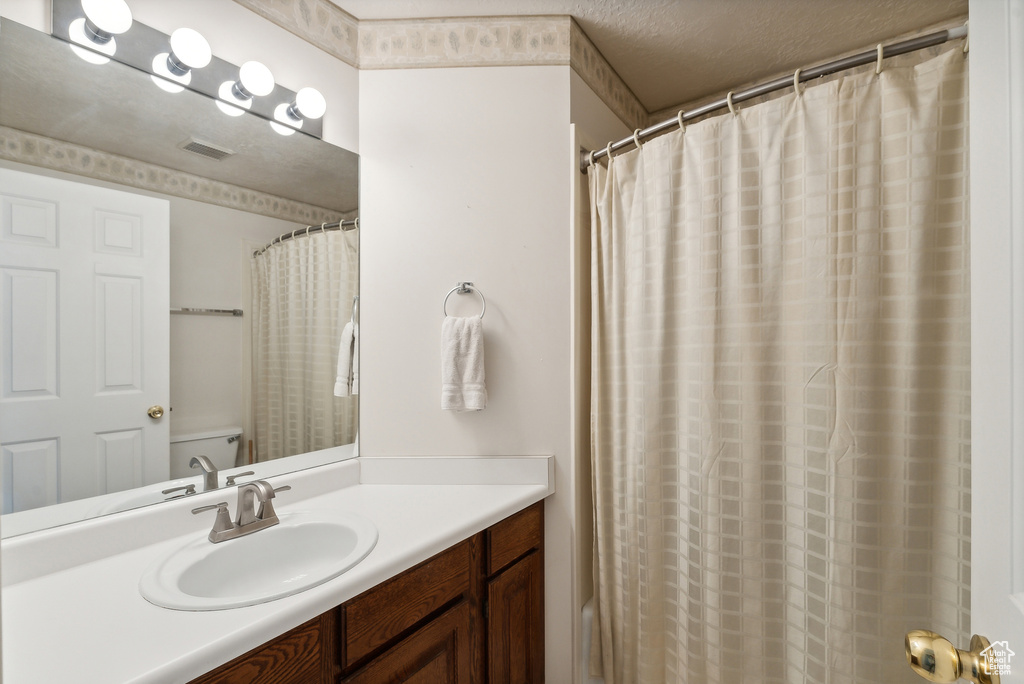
(156, 411)
(933, 657)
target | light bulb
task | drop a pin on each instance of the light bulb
(164, 78)
(89, 51)
(283, 115)
(254, 79)
(229, 102)
(189, 50)
(309, 104)
(105, 19)
(281, 129)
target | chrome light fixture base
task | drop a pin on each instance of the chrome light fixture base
(138, 46)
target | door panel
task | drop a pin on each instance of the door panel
(438, 653)
(84, 305)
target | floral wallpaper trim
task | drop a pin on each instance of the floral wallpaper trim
(37, 150)
(319, 22)
(595, 70)
(453, 42)
(490, 41)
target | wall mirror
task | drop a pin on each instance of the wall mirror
(53, 103)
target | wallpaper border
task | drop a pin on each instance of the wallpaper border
(526, 40)
(57, 155)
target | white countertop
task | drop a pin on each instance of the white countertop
(72, 611)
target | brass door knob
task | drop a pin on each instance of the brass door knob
(155, 411)
(933, 657)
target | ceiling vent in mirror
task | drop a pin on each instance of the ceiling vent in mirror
(205, 149)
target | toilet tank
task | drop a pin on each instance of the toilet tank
(220, 446)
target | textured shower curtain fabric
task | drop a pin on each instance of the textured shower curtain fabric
(780, 392)
(302, 299)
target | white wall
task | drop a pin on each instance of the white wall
(596, 124)
(210, 248)
(463, 177)
(237, 35)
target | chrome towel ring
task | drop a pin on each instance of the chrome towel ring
(464, 288)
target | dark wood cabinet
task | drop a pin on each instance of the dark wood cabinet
(376, 617)
(438, 653)
(301, 656)
(515, 623)
(472, 614)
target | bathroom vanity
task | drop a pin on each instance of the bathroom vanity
(472, 613)
(452, 590)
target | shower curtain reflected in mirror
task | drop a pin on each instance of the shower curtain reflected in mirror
(303, 290)
(780, 390)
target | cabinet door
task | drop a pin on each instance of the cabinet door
(438, 653)
(515, 623)
(301, 656)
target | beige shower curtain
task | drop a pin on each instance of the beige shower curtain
(302, 298)
(780, 403)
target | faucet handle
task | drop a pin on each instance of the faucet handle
(222, 523)
(230, 482)
(189, 490)
(266, 511)
(218, 506)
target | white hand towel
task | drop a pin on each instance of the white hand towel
(462, 364)
(343, 379)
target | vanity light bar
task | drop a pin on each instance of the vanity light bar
(139, 44)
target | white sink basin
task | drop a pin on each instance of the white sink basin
(307, 548)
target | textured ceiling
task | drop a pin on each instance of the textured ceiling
(46, 89)
(670, 52)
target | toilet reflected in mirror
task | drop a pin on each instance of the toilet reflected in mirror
(220, 446)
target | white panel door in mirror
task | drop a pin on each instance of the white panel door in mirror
(119, 460)
(118, 233)
(85, 310)
(28, 298)
(30, 475)
(28, 221)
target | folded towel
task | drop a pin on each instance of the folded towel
(343, 379)
(462, 364)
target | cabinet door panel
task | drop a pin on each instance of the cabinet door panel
(382, 613)
(515, 623)
(439, 653)
(515, 536)
(293, 658)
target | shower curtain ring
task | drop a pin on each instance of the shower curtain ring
(591, 158)
(679, 118)
(636, 138)
(728, 101)
(796, 82)
(878, 62)
(608, 151)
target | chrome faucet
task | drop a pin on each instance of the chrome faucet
(209, 471)
(248, 518)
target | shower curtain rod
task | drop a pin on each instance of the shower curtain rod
(323, 227)
(866, 57)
